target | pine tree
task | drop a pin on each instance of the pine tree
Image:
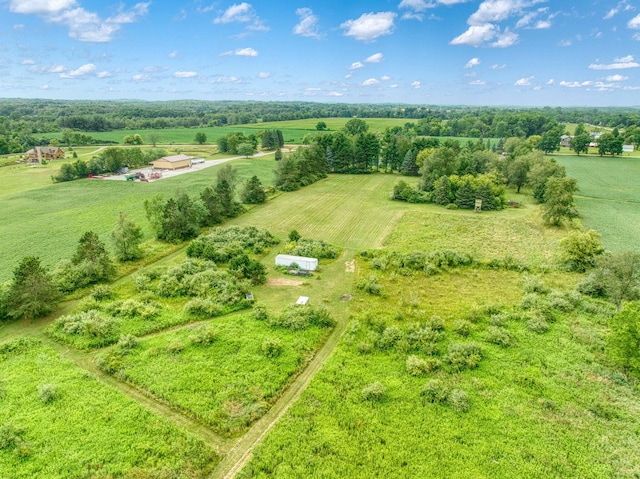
(442, 191)
(32, 293)
(253, 192)
(409, 167)
(466, 196)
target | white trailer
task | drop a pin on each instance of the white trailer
(310, 264)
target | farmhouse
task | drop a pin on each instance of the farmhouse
(172, 162)
(39, 153)
(565, 141)
(310, 264)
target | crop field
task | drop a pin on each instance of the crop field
(540, 402)
(60, 422)
(609, 197)
(227, 383)
(47, 221)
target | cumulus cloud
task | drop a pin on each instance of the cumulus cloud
(48, 69)
(476, 35)
(241, 52)
(416, 84)
(474, 62)
(496, 66)
(370, 26)
(242, 13)
(139, 77)
(477, 82)
(185, 74)
(395, 85)
(83, 25)
(334, 93)
(385, 78)
(264, 75)
(27, 61)
(634, 23)
(524, 81)
(616, 78)
(375, 58)
(356, 65)
(103, 74)
(505, 39)
(416, 7)
(227, 79)
(308, 24)
(618, 64)
(369, 82)
(79, 72)
(173, 54)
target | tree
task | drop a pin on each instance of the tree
(31, 293)
(580, 143)
(92, 253)
(126, 238)
(579, 250)
(442, 194)
(355, 126)
(278, 154)
(580, 129)
(558, 205)
(321, 126)
(181, 219)
(550, 141)
(245, 149)
(517, 171)
(154, 138)
(253, 192)
(409, 166)
(609, 144)
(201, 138)
(466, 196)
(623, 344)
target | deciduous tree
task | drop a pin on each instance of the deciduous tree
(126, 238)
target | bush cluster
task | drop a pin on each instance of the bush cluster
(463, 355)
(419, 261)
(312, 249)
(222, 244)
(297, 318)
(374, 392)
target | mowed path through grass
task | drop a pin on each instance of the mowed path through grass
(609, 198)
(351, 211)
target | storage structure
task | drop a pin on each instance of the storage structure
(310, 264)
(172, 162)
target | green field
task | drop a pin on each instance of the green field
(609, 198)
(88, 429)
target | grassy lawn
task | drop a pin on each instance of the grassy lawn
(608, 198)
(227, 384)
(88, 429)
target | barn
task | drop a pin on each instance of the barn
(310, 264)
(173, 162)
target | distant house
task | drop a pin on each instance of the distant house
(627, 148)
(39, 153)
(174, 162)
(595, 134)
(565, 141)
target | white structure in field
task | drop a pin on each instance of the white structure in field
(310, 264)
(302, 301)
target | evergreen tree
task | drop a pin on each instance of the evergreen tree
(466, 196)
(278, 154)
(484, 192)
(442, 191)
(126, 238)
(210, 200)
(31, 293)
(92, 252)
(253, 192)
(409, 166)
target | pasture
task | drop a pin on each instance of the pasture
(80, 427)
(608, 197)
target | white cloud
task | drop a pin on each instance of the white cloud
(475, 35)
(348, 75)
(334, 93)
(103, 74)
(495, 66)
(27, 61)
(48, 69)
(551, 81)
(542, 25)
(416, 84)
(370, 26)
(415, 5)
(634, 22)
(617, 77)
(618, 64)
(474, 62)
(575, 84)
(524, 81)
(496, 11)
(565, 43)
(369, 82)
(79, 72)
(173, 54)
(185, 74)
(264, 75)
(139, 77)
(356, 65)
(477, 82)
(308, 25)
(385, 78)
(225, 79)
(375, 58)
(83, 25)
(241, 52)
(18, 27)
(505, 39)
(242, 13)
(395, 85)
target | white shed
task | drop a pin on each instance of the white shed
(310, 264)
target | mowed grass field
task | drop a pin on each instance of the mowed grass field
(609, 197)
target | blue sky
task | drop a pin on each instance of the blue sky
(492, 52)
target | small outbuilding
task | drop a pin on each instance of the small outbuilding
(173, 162)
(310, 264)
(302, 301)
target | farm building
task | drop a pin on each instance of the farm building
(565, 140)
(39, 153)
(174, 162)
(310, 264)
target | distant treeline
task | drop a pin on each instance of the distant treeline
(20, 119)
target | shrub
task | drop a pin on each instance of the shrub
(10, 436)
(175, 347)
(260, 313)
(47, 393)
(463, 355)
(92, 324)
(313, 249)
(202, 308)
(530, 301)
(557, 300)
(435, 391)
(302, 317)
(579, 250)
(499, 336)
(101, 292)
(364, 347)
(390, 336)
(374, 392)
(533, 284)
(141, 282)
(132, 308)
(128, 342)
(462, 327)
(417, 366)
(271, 347)
(538, 325)
(458, 400)
(203, 336)
(370, 285)
(499, 319)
